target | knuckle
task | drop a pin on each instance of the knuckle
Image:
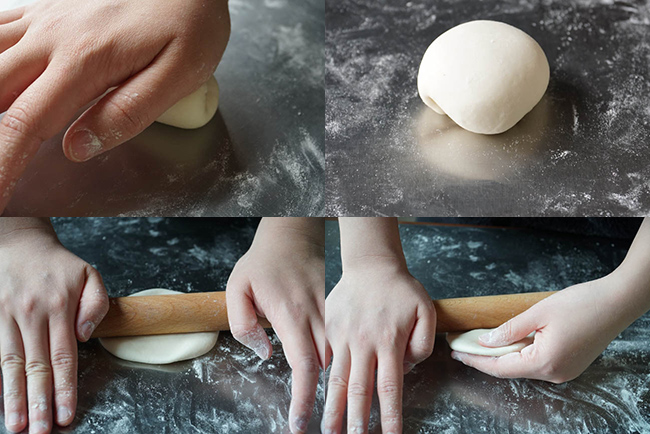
(125, 110)
(37, 368)
(240, 331)
(388, 387)
(19, 122)
(12, 361)
(337, 382)
(58, 301)
(308, 365)
(63, 360)
(359, 390)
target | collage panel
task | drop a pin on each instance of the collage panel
(248, 142)
(542, 325)
(518, 108)
(184, 325)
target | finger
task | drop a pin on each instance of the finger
(39, 375)
(420, 344)
(512, 331)
(126, 111)
(93, 305)
(302, 355)
(513, 365)
(360, 388)
(390, 381)
(20, 66)
(11, 15)
(243, 319)
(63, 357)
(12, 356)
(31, 119)
(10, 34)
(337, 392)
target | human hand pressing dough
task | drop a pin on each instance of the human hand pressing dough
(282, 278)
(48, 297)
(56, 56)
(485, 75)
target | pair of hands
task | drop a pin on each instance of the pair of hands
(57, 56)
(379, 318)
(48, 296)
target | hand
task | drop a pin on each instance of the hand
(572, 328)
(47, 297)
(377, 317)
(56, 56)
(282, 278)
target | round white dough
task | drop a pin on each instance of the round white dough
(468, 343)
(160, 349)
(485, 75)
(196, 109)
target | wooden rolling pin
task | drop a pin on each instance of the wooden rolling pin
(206, 311)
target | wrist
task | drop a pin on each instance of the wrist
(13, 228)
(632, 286)
(385, 263)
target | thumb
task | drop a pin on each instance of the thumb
(512, 331)
(93, 305)
(420, 344)
(243, 319)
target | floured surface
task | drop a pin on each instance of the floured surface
(587, 155)
(160, 349)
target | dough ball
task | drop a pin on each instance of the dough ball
(160, 349)
(485, 75)
(468, 343)
(196, 109)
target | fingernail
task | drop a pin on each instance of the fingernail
(87, 329)
(63, 414)
(14, 420)
(84, 145)
(261, 350)
(300, 423)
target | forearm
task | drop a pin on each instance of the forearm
(373, 239)
(633, 274)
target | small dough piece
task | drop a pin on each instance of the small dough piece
(196, 109)
(468, 343)
(160, 349)
(485, 75)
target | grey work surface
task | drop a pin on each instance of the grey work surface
(443, 395)
(228, 390)
(263, 153)
(582, 151)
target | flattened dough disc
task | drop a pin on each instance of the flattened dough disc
(160, 349)
(468, 343)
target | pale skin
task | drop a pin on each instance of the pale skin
(48, 297)
(57, 56)
(573, 326)
(282, 278)
(378, 318)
